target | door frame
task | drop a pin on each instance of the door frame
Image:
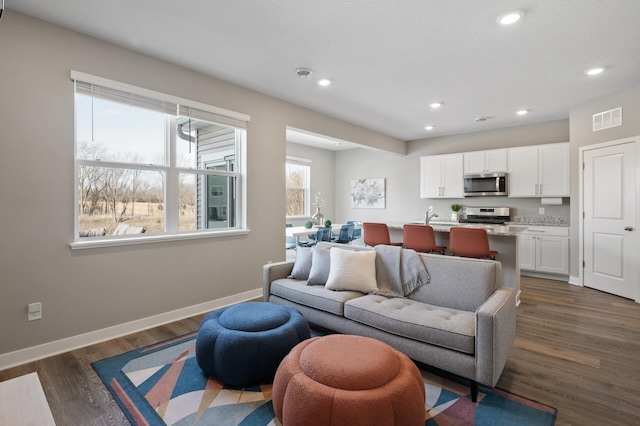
(582, 149)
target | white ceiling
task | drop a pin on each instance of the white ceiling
(388, 60)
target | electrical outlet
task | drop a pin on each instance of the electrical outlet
(34, 311)
(541, 210)
(430, 209)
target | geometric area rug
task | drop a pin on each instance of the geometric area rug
(162, 384)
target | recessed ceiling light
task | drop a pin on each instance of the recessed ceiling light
(522, 112)
(436, 105)
(428, 127)
(324, 82)
(510, 17)
(594, 71)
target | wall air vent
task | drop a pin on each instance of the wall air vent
(607, 119)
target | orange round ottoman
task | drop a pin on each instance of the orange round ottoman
(348, 380)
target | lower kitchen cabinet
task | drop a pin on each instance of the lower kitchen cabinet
(544, 249)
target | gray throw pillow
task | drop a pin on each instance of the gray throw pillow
(302, 266)
(320, 265)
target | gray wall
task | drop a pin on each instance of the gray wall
(582, 134)
(322, 178)
(402, 173)
(87, 290)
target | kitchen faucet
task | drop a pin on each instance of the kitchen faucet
(428, 216)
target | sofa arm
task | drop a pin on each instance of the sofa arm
(495, 332)
(272, 272)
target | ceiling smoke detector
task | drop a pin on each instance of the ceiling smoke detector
(304, 73)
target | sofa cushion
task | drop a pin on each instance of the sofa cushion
(352, 270)
(313, 296)
(449, 328)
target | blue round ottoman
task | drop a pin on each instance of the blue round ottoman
(245, 343)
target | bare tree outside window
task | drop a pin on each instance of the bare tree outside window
(297, 189)
(141, 163)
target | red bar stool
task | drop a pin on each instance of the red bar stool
(420, 238)
(377, 233)
(470, 242)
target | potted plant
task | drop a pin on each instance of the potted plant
(455, 208)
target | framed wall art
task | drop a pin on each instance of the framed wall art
(368, 193)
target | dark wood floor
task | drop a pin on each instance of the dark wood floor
(576, 349)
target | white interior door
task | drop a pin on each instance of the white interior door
(610, 219)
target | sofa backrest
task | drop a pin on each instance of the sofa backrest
(458, 282)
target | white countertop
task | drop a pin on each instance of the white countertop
(560, 225)
(442, 226)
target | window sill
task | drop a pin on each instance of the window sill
(126, 241)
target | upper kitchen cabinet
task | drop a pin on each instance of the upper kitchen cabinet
(441, 176)
(539, 171)
(480, 162)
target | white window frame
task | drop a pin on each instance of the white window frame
(307, 185)
(227, 117)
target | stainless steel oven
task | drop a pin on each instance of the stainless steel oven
(494, 215)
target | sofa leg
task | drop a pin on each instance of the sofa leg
(474, 390)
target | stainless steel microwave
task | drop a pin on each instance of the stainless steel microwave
(485, 185)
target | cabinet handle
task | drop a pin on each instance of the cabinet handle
(628, 228)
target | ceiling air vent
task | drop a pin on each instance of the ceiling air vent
(607, 119)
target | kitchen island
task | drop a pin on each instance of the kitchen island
(502, 238)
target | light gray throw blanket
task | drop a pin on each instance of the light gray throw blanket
(399, 272)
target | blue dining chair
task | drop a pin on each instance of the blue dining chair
(346, 234)
(290, 242)
(323, 234)
(357, 233)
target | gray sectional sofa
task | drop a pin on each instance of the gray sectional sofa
(463, 321)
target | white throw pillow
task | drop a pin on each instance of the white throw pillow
(352, 270)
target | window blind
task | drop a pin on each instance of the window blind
(211, 117)
(131, 95)
(125, 98)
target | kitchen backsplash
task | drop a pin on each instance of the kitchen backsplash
(541, 220)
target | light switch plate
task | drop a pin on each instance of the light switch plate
(34, 311)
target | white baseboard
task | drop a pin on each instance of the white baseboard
(545, 275)
(575, 280)
(34, 353)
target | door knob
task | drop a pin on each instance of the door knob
(628, 228)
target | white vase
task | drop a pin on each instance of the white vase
(454, 216)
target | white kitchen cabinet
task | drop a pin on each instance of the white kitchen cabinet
(544, 249)
(491, 161)
(441, 176)
(539, 171)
